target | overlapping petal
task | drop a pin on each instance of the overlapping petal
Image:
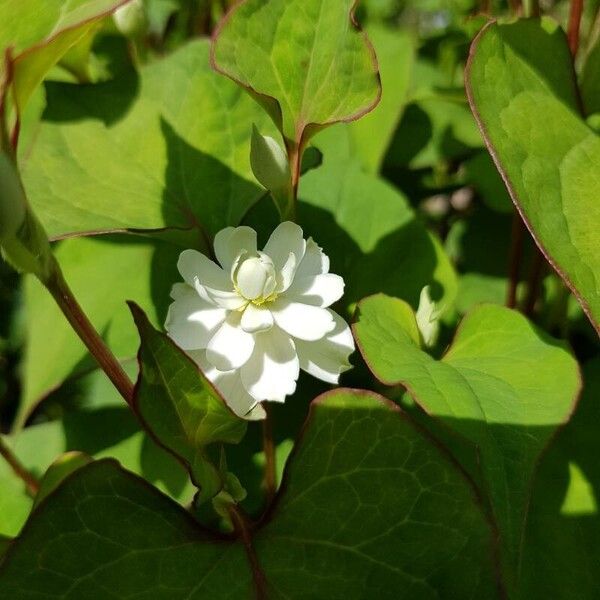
(231, 346)
(327, 359)
(231, 242)
(319, 290)
(191, 320)
(273, 369)
(302, 321)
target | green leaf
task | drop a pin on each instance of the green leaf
(103, 274)
(303, 60)
(361, 221)
(561, 551)
(502, 384)
(103, 432)
(193, 168)
(41, 36)
(180, 407)
(522, 90)
(369, 507)
(395, 55)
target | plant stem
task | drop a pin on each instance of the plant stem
(533, 286)
(243, 529)
(66, 301)
(32, 484)
(270, 479)
(574, 25)
(516, 252)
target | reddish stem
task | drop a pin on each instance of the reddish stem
(68, 304)
(516, 253)
(574, 25)
(535, 279)
(270, 477)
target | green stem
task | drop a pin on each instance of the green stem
(62, 294)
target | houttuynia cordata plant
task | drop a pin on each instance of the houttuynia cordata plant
(299, 299)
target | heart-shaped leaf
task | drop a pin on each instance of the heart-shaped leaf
(502, 384)
(303, 60)
(193, 168)
(521, 86)
(40, 35)
(369, 506)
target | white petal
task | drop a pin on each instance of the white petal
(286, 238)
(231, 346)
(227, 300)
(303, 321)
(286, 275)
(229, 385)
(195, 268)
(231, 241)
(256, 318)
(315, 261)
(326, 359)
(191, 321)
(320, 290)
(273, 368)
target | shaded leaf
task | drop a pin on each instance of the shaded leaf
(104, 432)
(502, 384)
(193, 168)
(123, 538)
(361, 221)
(561, 547)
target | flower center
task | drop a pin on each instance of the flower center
(254, 278)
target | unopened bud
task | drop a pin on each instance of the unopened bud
(269, 163)
(131, 19)
(428, 318)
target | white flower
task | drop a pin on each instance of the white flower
(254, 321)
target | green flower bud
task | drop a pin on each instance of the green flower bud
(131, 19)
(428, 318)
(270, 164)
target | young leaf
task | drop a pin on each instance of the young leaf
(503, 384)
(40, 36)
(303, 60)
(180, 407)
(193, 168)
(521, 86)
(369, 506)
